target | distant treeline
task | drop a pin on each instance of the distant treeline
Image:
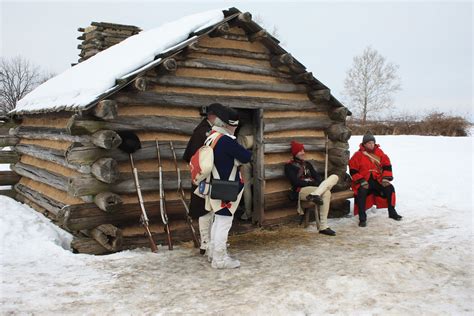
(434, 124)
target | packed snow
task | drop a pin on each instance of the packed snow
(421, 265)
(73, 89)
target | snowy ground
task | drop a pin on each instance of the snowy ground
(421, 265)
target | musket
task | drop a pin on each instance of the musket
(164, 215)
(189, 220)
(144, 217)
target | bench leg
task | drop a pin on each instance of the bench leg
(316, 216)
(306, 217)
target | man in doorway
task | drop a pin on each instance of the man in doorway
(307, 185)
(196, 207)
(371, 173)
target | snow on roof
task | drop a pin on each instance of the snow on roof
(80, 85)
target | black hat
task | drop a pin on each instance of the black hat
(210, 109)
(227, 115)
(368, 137)
(130, 142)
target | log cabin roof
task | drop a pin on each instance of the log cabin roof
(81, 87)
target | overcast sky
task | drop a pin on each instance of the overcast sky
(430, 41)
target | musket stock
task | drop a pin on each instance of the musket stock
(164, 215)
(189, 220)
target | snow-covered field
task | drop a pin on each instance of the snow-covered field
(421, 265)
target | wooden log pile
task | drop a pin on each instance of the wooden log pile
(100, 36)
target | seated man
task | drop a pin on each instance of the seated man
(308, 185)
(371, 172)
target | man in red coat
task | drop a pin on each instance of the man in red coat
(371, 173)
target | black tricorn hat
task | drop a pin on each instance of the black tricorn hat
(228, 115)
(130, 142)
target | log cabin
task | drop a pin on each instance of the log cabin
(155, 83)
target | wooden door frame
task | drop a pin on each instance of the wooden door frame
(258, 212)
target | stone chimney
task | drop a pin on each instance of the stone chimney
(100, 35)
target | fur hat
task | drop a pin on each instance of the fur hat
(368, 137)
(296, 147)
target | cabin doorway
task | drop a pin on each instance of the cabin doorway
(250, 135)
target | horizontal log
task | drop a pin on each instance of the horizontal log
(51, 155)
(8, 178)
(318, 95)
(11, 193)
(86, 216)
(197, 101)
(8, 156)
(34, 132)
(235, 37)
(108, 202)
(305, 77)
(285, 123)
(227, 52)
(87, 185)
(180, 125)
(106, 110)
(7, 140)
(90, 246)
(47, 177)
(217, 65)
(226, 84)
(86, 155)
(277, 171)
(281, 199)
(283, 144)
(42, 200)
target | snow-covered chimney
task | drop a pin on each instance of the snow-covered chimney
(101, 35)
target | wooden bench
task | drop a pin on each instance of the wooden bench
(308, 206)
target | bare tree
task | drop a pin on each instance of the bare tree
(371, 83)
(17, 77)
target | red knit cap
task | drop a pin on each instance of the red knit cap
(296, 147)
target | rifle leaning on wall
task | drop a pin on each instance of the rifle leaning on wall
(164, 215)
(130, 144)
(189, 220)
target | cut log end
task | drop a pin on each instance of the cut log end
(108, 236)
(108, 202)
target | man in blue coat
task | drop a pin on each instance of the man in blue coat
(228, 156)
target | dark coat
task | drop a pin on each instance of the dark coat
(196, 207)
(197, 139)
(301, 174)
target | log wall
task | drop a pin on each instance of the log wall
(71, 166)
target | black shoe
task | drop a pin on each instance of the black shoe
(362, 224)
(328, 231)
(316, 199)
(396, 217)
